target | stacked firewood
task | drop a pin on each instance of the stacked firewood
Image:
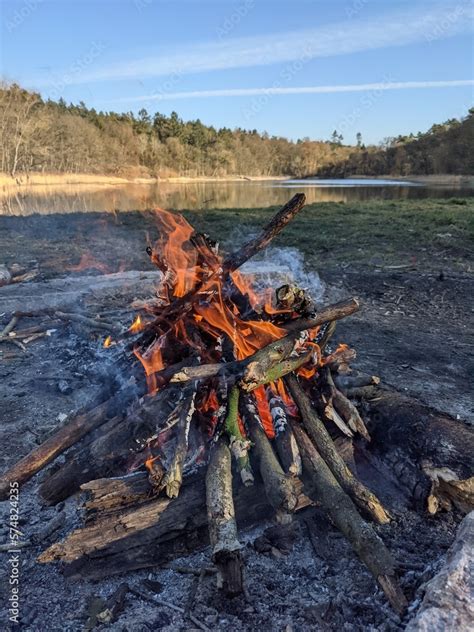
(242, 395)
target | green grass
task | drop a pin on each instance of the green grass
(431, 232)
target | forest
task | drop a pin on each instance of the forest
(46, 136)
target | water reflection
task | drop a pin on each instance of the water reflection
(202, 195)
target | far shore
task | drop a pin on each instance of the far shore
(59, 179)
(25, 181)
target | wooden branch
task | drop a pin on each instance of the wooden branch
(110, 447)
(345, 407)
(275, 372)
(344, 382)
(221, 519)
(342, 511)
(239, 444)
(77, 427)
(331, 414)
(89, 322)
(270, 231)
(362, 496)
(279, 487)
(9, 326)
(255, 369)
(336, 311)
(183, 413)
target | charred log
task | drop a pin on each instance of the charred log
(363, 497)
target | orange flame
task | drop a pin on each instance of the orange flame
(137, 325)
(246, 335)
(175, 252)
(152, 362)
(107, 342)
(264, 411)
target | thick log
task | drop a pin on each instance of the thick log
(225, 545)
(424, 448)
(133, 536)
(340, 508)
(363, 497)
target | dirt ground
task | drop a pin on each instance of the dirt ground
(415, 330)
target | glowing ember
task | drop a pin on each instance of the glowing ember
(107, 342)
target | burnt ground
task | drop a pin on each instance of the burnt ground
(415, 331)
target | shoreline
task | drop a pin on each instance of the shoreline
(73, 179)
(49, 184)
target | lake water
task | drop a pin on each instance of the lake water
(46, 199)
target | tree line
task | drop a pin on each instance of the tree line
(446, 148)
(39, 135)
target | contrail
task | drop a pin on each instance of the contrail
(394, 28)
(246, 92)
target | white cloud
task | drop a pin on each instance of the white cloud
(421, 23)
(246, 92)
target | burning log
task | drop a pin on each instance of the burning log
(365, 542)
(279, 487)
(182, 305)
(285, 442)
(363, 497)
(221, 519)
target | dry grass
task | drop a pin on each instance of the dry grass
(57, 179)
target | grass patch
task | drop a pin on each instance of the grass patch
(382, 232)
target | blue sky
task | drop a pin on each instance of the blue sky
(294, 68)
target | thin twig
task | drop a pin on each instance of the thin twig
(12, 340)
(9, 327)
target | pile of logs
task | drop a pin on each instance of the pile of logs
(244, 412)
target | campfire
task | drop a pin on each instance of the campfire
(235, 401)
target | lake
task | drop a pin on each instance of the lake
(46, 199)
